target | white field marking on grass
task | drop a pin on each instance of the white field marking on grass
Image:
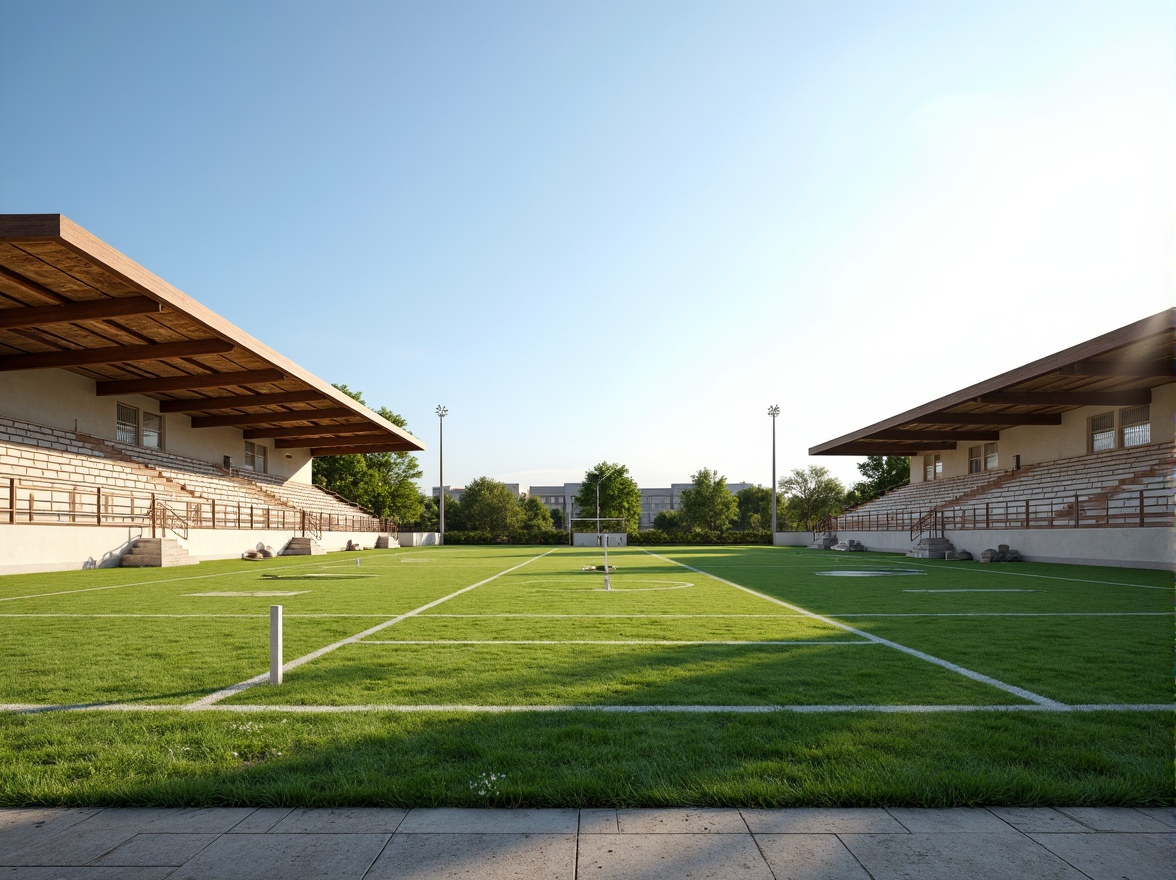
(262, 594)
(1029, 574)
(603, 642)
(34, 708)
(648, 616)
(967, 673)
(193, 577)
(314, 655)
(1018, 614)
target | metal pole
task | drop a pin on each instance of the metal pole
(773, 411)
(442, 412)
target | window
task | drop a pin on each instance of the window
(127, 425)
(932, 467)
(1135, 425)
(1102, 432)
(255, 457)
(152, 431)
(990, 457)
(975, 459)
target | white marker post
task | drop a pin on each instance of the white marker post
(275, 644)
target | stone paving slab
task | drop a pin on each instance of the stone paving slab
(84, 873)
(341, 820)
(261, 820)
(1116, 856)
(816, 820)
(599, 821)
(285, 857)
(146, 850)
(809, 857)
(958, 819)
(1112, 819)
(483, 856)
(1166, 815)
(22, 828)
(956, 857)
(681, 821)
(671, 857)
(1027, 819)
(457, 820)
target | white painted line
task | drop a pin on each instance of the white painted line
(263, 593)
(968, 673)
(1020, 614)
(600, 642)
(31, 708)
(1028, 574)
(606, 616)
(314, 655)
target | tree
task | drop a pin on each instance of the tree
(557, 518)
(536, 516)
(708, 504)
(488, 506)
(619, 495)
(811, 495)
(668, 521)
(755, 508)
(882, 473)
(382, 482)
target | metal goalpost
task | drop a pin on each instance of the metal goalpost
(601, 536)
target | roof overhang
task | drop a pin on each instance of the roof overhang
(70, 301)
(1116, 369)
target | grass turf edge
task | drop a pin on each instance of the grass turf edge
(585, 759)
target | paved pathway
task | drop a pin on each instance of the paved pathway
(381, 844)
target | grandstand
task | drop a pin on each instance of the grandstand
(130, 411)
(1066, 459)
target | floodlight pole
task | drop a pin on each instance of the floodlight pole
(773, 411)
(442, 412)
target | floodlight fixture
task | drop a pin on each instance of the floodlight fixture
(773, 411)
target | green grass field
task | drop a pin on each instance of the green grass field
(509, 676)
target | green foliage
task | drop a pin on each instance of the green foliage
(708, 504)
(668, 521)
(755, 508)
(619, 495)
(536, 516)
(488, 505)
(557, 518)
(811, 495)
(657, 536)
(382, 482)
(882, 474)
(522, 536)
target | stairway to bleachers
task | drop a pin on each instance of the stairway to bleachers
(1050, 489)
(302, 495)
(61, 476)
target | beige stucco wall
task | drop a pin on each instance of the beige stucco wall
(26, 549)
(1038, 443)
(65, 400)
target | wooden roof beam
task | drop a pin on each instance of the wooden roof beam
(309, 431)
(244, 401)
(934, 436)
(87, 310)
(1126, 397)
(325, 442)
(266, 418)
(32, 287)
(391, 446)
(113, 354)
(165, 384)
(1002, 418)
(1156, 369)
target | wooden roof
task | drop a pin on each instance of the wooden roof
(1117, 369)
(70, 301)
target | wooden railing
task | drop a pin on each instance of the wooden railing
(35, 501)
(1145, 508)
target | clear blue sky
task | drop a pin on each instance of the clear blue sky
(618, 230)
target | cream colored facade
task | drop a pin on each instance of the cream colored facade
(1035, 444)
(64, 400)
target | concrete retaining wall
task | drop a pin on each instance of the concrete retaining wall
(1120, 548)
(792, 539)
(419, 539)
(25, 549)
(588, 539)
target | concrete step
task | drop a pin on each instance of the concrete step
(156, 553)
(303, 547)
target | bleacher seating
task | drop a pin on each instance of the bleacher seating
(928, 495)
(302, 495)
